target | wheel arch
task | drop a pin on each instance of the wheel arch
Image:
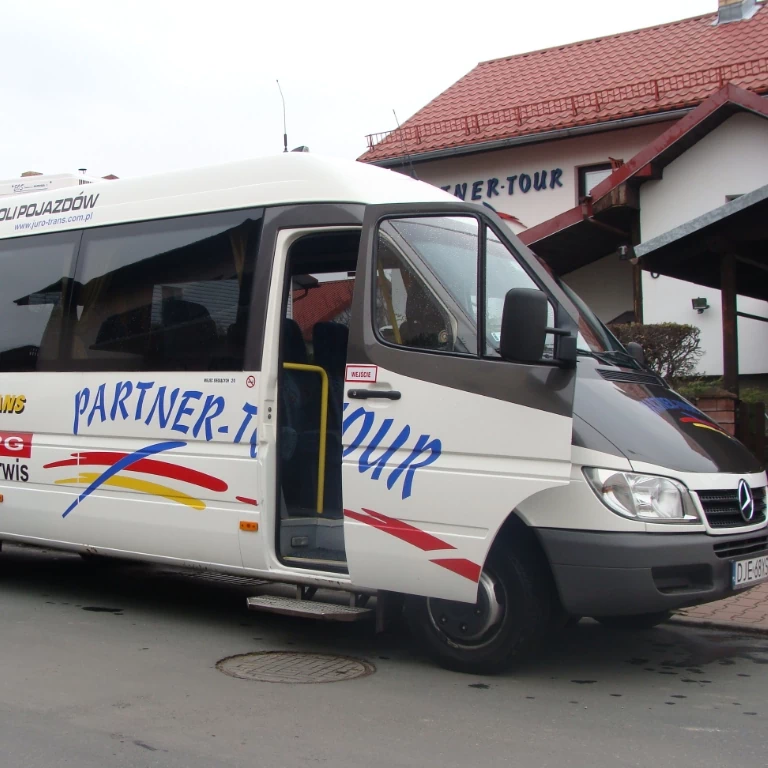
(517, 532)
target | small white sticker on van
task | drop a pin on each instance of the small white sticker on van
(362, 373)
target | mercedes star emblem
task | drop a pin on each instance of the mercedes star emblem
(746, 501)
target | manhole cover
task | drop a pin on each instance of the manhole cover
(293, 667)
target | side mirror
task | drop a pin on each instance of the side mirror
(636, 351)
(523, 325)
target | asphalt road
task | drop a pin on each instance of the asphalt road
(134, 683)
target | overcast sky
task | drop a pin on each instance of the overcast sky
(153, 85)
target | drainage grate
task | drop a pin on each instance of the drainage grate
(293, 667)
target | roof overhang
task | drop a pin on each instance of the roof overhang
(694, 250)
(605, 220)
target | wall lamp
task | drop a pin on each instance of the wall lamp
(627, 253)
(699, 304)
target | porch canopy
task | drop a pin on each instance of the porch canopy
(695, 251)
(725, 248)
(608, 217)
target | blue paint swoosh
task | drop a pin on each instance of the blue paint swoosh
(120, 465)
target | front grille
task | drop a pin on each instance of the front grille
(630, 377)
(741, 547)
(722, 508)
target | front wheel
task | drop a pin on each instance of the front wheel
(635, 622)
(509, 618)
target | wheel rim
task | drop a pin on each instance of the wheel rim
(471, 626)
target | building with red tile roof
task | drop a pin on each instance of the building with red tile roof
(591, 83)
(597, 150)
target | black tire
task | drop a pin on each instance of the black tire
(521, 584)
(636, 622)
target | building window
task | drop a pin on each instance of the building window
(591, 175)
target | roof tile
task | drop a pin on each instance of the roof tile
(640, 72)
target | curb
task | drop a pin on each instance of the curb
(728, 626)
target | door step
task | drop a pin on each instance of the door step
(310, 609)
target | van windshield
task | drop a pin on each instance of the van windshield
(595, 338)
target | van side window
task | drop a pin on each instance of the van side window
(165, 295)
(503, 271)
(36, 273)
(426, 283)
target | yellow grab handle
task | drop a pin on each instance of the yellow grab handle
(390, 309)
(323, 426)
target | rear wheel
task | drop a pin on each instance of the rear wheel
(510, 616)
(638, 621)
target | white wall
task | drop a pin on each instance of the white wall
(666, 300)
(535, 206)
(605, 285)
(731, 160)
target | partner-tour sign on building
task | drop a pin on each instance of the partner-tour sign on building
(588, 155)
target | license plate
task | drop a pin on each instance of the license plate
(747, 572)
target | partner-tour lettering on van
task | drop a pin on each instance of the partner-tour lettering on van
(189, 412)
(13, 403)
(426, 450)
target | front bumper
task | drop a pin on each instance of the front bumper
(618, 574)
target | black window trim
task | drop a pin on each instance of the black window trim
(581, 176)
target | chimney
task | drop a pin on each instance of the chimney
(735, 10)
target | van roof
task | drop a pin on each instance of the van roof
(281, 179)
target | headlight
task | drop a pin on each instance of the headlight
(642, 497)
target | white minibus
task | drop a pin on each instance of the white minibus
(331, 376)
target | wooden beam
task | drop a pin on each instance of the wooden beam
(637, 274)
(637, 292)
(730, 326)
(609, 228)
(650, 171)
(752, 262)
(752, 317)
(625, 195)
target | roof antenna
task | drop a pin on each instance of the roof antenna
(285, 130)
(407, 154)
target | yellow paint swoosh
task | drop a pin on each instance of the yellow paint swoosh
(706, 426)
(141, 486)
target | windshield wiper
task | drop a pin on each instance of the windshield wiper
(597, 355)
(609, 356)
(622, 355)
